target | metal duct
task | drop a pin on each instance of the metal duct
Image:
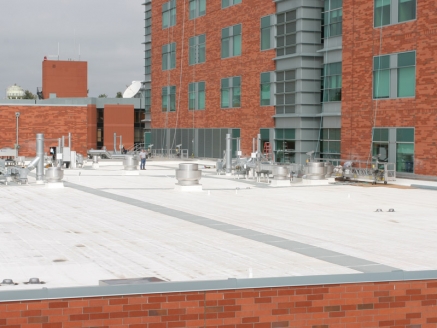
(228, 154)
(40, 156)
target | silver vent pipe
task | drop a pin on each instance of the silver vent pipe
(228, 154)
(40, 157)
(69, 140)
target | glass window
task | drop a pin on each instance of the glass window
(285, 145)
(266, 89)
(168, 99)
(169, 14)
(231, 41)
(286, 33)
(404, 75)
(405, 157)
(197, 8)
(267, 36)
(148, 62)
(407, 10)
(148, 23)
(148, 100)
(332, 81)
(197, 52)
(196, 93)
(285, 92)
(228, 3)
(333, 17)
(231, 92)
(382, 12)
(168, 56)
(330, 142)
(380, 135)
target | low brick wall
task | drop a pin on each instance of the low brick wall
(378, 304)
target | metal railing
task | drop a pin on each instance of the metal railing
(170, 153)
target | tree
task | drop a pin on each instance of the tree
(28, 95)
(103, 95)
(119, 95)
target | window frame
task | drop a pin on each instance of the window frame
(283, 91)
(169, 92)
(325, 81)
(271, 84)
(196, 92)
(230, 3)
(231, 38)
(197, 48)
(393, 69)
(168, 56)
(287, 49)
(328, 10)
(394, 13)
(231, 92)
(197, 13)
(271, 32)
(169, 8)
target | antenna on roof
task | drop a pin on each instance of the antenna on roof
(132, 90)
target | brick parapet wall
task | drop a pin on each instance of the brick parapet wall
(250, 117)
(410, 304)
(53, 121)
(361, 42)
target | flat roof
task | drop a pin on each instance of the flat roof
(106, 225)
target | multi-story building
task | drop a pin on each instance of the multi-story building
(278, 68)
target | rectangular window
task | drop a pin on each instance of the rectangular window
(148, 23)
(332, 80)
(197, 8)
(168, 56)
(285, 145)
(388, 12)
(330, 141)
(147, 100)
(231, 41)
(231, 92)
(169, 99)
(169, 14)
(332, 18)
(405, 150)
(196, 96)
(267, 32)
(148, 61)
(285, 92)
(286, 33)
(266, 89)
(398, 69)
(197, 49)
(228, 3)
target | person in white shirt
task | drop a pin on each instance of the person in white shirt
(143, 156)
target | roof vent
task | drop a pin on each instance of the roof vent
(8, 282)
(34, 281)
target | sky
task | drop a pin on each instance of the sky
(110, 34)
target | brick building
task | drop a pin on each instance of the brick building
(63, 107)
(278, 67)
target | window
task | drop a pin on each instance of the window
(330, 143)
(196, 96)
(168, 56)
(394, 76)
(267, 32)
(147, 100)
(228, 3)
(331, 82)
(333, 18)
(231, 92)
(393, 11)
(148, 23)
(405, 150)
(197, 49)
(197, 8)
(169, 99)
(266, 88)
(285, 92)
(231, 41)
(285, 145)
(169, 14)
(395, 145)
(286, 33)
(148, 61)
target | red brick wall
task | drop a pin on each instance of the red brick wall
(53, 121)
(251, 116)
(118, 119)
(360, 43)
(68, 79)
(386, 304)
